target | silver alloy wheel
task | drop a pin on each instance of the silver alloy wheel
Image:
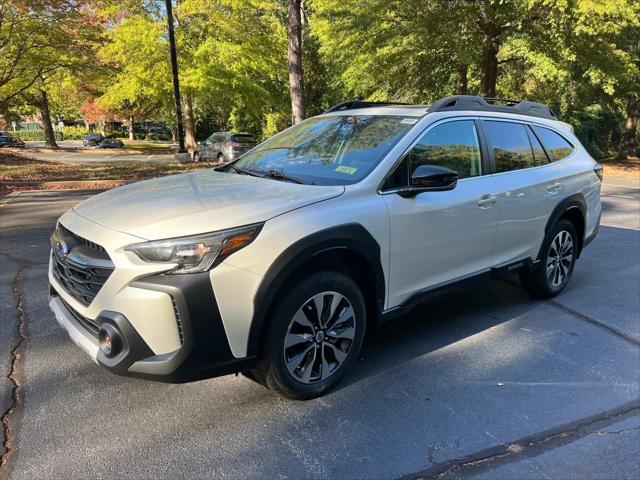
(319, 337)
(560, 258)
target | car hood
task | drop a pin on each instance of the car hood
(198, 202)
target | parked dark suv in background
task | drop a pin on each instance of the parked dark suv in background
(5, 139)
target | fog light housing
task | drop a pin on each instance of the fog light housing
(110, 340)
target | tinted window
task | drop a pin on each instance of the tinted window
(242, 138)
(511, 147)
(557, 147)
(452, 145)
(538, 152)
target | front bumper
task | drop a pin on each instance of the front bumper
(80, 336)
(204, 351)
(170, 325)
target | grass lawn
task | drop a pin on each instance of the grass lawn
(15, 168)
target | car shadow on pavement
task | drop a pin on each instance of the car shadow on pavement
(434, 326)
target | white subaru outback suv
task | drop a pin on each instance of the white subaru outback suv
(275, 265)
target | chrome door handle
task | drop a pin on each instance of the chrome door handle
(554, 187)
(487, 201)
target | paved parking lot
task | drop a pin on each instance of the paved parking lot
(488, 384)
(74, 152)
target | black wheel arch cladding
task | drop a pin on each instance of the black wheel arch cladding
(573, 203)
(349, 239)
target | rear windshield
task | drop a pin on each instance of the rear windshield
(242, 138)
(334, 150)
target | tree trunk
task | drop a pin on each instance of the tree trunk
(490, 47)
(491, 32)
(462, 78)
(131, 132)
(45, 118)
(628, 144)
(189, 123)
(294, 56)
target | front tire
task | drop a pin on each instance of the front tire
(314, 334)
(557, 260)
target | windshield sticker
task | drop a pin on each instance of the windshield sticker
(347, 170)
(409, 121)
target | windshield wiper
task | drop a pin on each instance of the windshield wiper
(245, 172)
(281, 176)
(276, 175)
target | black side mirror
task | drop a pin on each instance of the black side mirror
(430, 178)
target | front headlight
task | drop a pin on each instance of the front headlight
(197, 253)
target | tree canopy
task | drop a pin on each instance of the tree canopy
(581, 57)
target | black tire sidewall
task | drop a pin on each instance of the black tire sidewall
(272, 365)
(542, 271)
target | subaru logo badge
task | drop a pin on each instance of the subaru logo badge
(61, 250)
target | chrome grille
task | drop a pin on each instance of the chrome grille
(79, 265)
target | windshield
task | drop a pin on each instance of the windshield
(336, 150)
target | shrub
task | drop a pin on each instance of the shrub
(75, 132)
(161, 136)
(598, 129)
(70, 133)
(116, 134)
(29, 135)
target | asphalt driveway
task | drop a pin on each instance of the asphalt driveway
(487, 384)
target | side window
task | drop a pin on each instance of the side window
(452, 145)
(557, 147)
(538, 152)
(510, 144)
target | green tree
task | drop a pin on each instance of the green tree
(41, 41)
(136, 55)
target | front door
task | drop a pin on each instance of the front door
(440, 237)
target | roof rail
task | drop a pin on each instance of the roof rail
(353, 104)
(488, 104)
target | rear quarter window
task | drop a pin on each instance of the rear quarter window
(556, 145)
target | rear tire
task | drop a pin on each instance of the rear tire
(557, 260)
(314, 334)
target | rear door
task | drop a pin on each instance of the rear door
(214, 146)
(527, 189)
(440, 237)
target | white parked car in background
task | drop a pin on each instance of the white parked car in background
(278, 263)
